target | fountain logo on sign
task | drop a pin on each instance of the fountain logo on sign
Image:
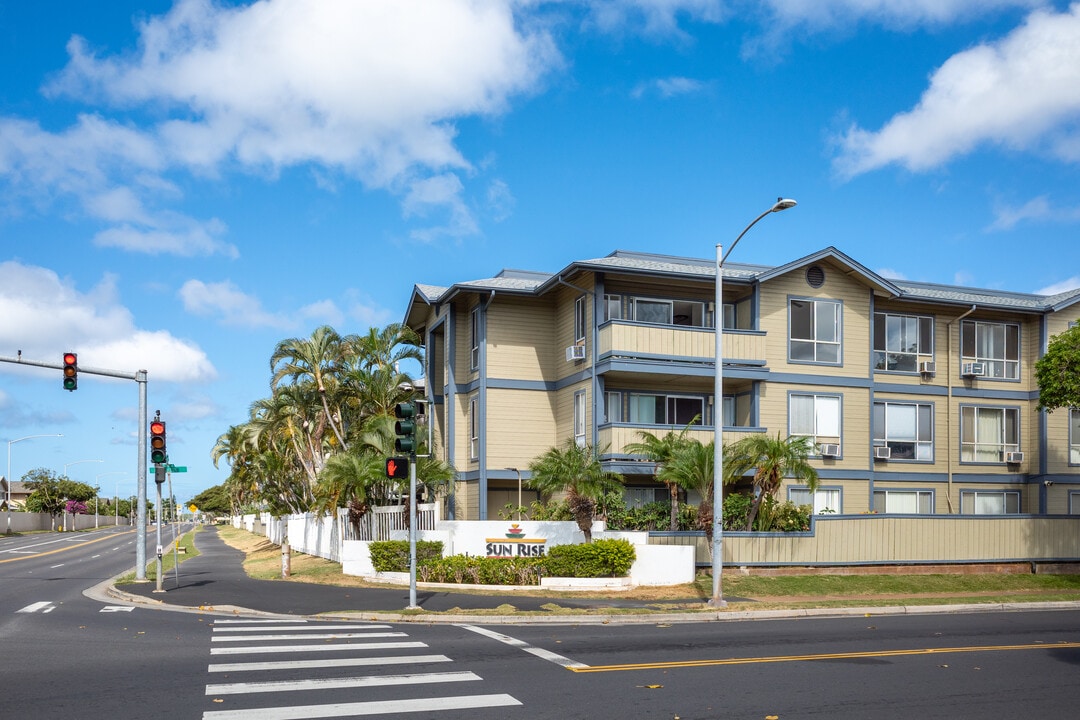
(515, 544)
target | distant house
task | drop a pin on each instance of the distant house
(920, 398)
(19, 493)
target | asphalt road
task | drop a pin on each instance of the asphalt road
(63, 654)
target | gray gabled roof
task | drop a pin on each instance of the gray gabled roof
(624, 261)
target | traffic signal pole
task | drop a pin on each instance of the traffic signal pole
(139, 376)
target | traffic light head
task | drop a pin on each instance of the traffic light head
(158, 452)
(71, 371)
(405, 427)
(397, 467)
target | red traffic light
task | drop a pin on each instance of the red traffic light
(158, 453)
(71, 371)
(397, 467)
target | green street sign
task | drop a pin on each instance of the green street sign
(173, 468)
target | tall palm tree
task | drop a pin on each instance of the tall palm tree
(691, 468)
(771, 459)
(576, 470)
(318, 359)
(347, 481)
(661, 450)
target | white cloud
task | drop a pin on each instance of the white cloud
(233, 306)
(45, 316)
(668, 87)
(653, 17)
(821, 14)
(891, 274)
(1022, 93)
(1038, 209)
(1059, 287)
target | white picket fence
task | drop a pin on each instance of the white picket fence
(323, 535)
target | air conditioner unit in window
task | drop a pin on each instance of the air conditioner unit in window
(829, 450)
(1014, 458)
(882, 453)
(973, 369)
(928, 367)
(575, 352)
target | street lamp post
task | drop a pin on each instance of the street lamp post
(518, 471)
(8, 476)
(717, 599)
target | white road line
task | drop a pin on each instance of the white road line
(303, 627)
(116, 608)
(306, 636)
(303, 712)
(256, 622)
(345, 682)
(43, 606)
(324, 647)
(326, 663)
(53, 567)
(514, 642)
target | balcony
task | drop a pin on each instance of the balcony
(676, 342)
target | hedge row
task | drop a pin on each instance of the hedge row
(601, 558)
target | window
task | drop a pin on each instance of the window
(899, 340)
(909, 502)
(637, 497)
(580, 324)
(815, 331)
(989, 502)
(689, 313)
(729, 316)
(612, 307)
(995, 344)
(579, 418)
(613, 407)
(986, 434)
(474, 430)
(474, 339)
(666, 409)
(907, 429)
(822, 501)
(1074, 436)
(729, 411)
(1074, 502)
(816, 416)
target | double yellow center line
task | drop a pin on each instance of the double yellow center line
(823, 656)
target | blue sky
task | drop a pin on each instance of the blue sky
(182, 185)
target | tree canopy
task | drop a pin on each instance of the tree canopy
(1058, 372)
(50, 493)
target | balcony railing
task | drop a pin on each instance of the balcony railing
(629, 339)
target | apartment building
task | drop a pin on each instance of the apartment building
(920, 397)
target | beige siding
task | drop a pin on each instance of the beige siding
(467, 500)
(855, 422)
(564, 411)
(520, 426)
(855, 322)
(520, 340)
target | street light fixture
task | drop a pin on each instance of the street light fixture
(717, 599)
(8, 476)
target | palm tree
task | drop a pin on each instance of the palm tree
(576, 470)
(347, 481)
(661, 450)
(691, 468)
(771, 459)
(318, 359)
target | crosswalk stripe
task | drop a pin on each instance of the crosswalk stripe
(306, 636)
(327, 663)
(305, 712)
(332, 683)
(252, 621)
(290, 628)
(324, 647)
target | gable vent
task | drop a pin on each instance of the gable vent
(815, 276)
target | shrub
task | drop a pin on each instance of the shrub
(784, 517)
(736, 510)
(482, 570)
(602, 558)
(393, 555)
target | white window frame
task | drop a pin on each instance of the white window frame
(820, 434)
(695, 311)
(613, 406)
(580, 415)
(581, 320)
(974, 334)
(892, 327)
(668, 399)
(970, 501)
(824, 501)
(823, 342)
(612, 307)
(1074, 502)
(727, 411)
(922, 498)
(474, 339)
(1074, 436)
(976, 446)
(474, 428)
(923, 442)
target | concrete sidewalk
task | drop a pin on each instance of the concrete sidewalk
(214, 581)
